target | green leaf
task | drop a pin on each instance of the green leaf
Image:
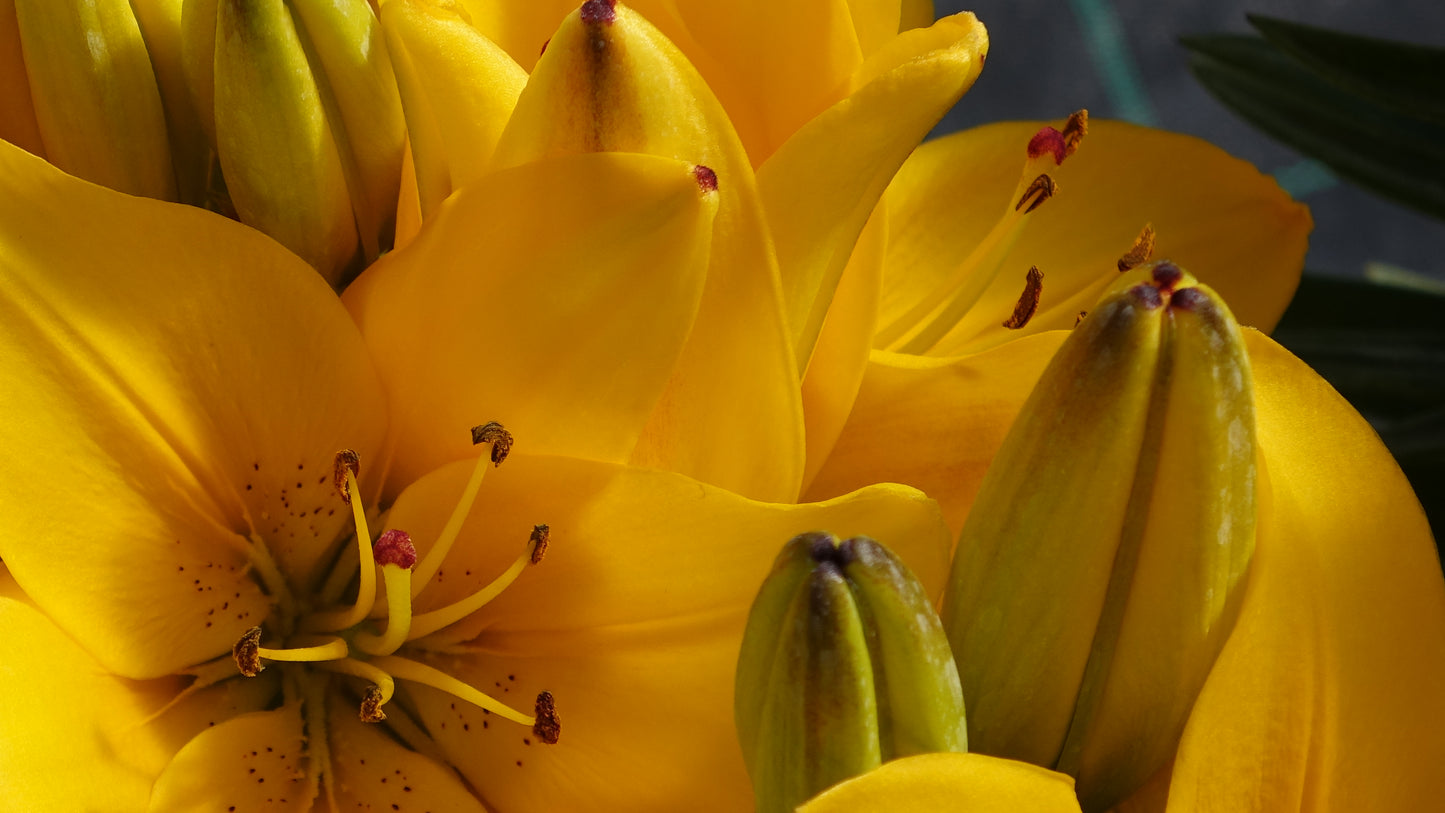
(1395, 155)
(1405, 77)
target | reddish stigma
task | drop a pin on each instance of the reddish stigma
(599, 11)
(395, 548)
(1049, 140)
(706, 178)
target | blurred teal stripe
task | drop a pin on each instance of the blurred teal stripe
(1114, 61)
(1305, 178)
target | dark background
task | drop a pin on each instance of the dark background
(1122, 59)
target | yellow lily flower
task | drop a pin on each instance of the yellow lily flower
(170, 487)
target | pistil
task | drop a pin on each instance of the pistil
(396, 555)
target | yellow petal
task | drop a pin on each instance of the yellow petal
(458, 89)
(737, 376)
(373, 772)
(17, 112)
(520, 28)
(256, 761)
(836, 369)
(931, 782)
(875, 22)
(633, 621)
(783, 63)
(157, 410)
(821, 185)
(553, 298)
(1328, 694)
(1217, 216)
(73, 736)
(934, 424)
(915, 14)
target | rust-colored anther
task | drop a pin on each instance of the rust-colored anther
(1074, 130)
(371, 706)
(1141, 251)
(1042, 188)
(548, 727)
(1028, 302)
(493, 433)
(346, 460)
(247, 653)
(540, 535)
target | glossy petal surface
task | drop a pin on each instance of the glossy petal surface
(518, 301)
(1327, 695)
(156, 416)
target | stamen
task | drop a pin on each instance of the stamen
(376, 696)
(427, 623)
(1028, 300)
(1141, 251)
(501, 440)
(1041, 189)
(1080, 317)
(346, 467)
(548, 727)
(1075, 129)
(330, 649)
(396, 555)
(248, 652)
(416, 672)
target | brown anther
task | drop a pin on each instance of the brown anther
(1074, 131)
(1042, 188)
(1141, 251)
(346, 460)
(247, 653)
(1028, 300)
(1080, 317)
(493, 433)
(371, 706)
(540, 535)
(547, 728)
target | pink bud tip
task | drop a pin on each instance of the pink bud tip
(395, 548)
(1051, 141)
(706, 178)
(599, 11)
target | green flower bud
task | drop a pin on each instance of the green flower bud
(299, 99)
(1101, 567)
(844, 666)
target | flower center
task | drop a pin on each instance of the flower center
(359, 639)
(918, 329)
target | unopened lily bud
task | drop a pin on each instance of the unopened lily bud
(844, 666)
(1102, 565)
(301, 103)
(91, 99)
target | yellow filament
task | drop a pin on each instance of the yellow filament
(366, 589)
(331, 649)
(365, 671)
(427, 623)
(432, 562)
(404, 669)
(398, 614)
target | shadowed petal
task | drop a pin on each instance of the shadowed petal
(256, 761)
(374, 772)
(957, 412)
(157, 412)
